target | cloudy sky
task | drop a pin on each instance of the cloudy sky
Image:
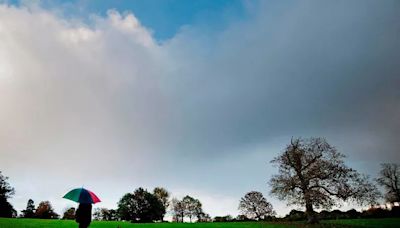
(194, 96)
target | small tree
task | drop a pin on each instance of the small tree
(312, 173)
(389, 178)
(69, 213)
(6, 191)
(190, 205)
(255, 206)
(178, 210)
(29, 212)
(45, 211)
(193, 208)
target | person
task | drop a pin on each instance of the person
(83, 215)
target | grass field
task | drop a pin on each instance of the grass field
(33, 223)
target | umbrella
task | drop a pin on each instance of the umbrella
(81, 195)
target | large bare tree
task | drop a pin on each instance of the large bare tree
(389, 178)
(312, 173)
(255, 206)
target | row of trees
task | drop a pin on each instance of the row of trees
(44, 210)
(311, 173)
(373, 212)
(143, 206)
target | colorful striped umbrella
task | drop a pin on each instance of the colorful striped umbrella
(81, 195)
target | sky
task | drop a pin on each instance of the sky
(194, 96)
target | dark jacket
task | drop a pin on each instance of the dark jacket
(84, 214)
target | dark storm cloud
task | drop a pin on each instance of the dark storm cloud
(306, 69)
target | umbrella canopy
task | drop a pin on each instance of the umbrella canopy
(81, 195)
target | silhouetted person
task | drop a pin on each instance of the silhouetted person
(83, 215)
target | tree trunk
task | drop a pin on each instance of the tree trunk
(311, 217)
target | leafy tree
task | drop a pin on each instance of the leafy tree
(190, 204)
(6, 191)
(69, 213)
(140, 206)
(163, 195)
(193, 207)
(6, 209)
(127, 208)
(198, 211)
(389, 178)
(188, 207)
(312, 173)
(45, 211)
(29, 212)
(104, 214)
(254, 205)
(178, 210)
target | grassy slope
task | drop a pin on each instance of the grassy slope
(387, 222)
(33, 223)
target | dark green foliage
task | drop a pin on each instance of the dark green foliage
(163, 195)
(29, 212)
(295, 215)
(395, 212)
(373, 212)
(140, 206)
(226, 218)
(69, 214)
(6, 191)
(243, 218)
(6, 209)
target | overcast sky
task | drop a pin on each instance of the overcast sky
(195, 98)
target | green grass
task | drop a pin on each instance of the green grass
(34, 223)
(386, 222)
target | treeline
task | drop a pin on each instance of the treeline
(139, 206)
(142, 206)
(373, 212)
(296, 215)
(311, 174)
